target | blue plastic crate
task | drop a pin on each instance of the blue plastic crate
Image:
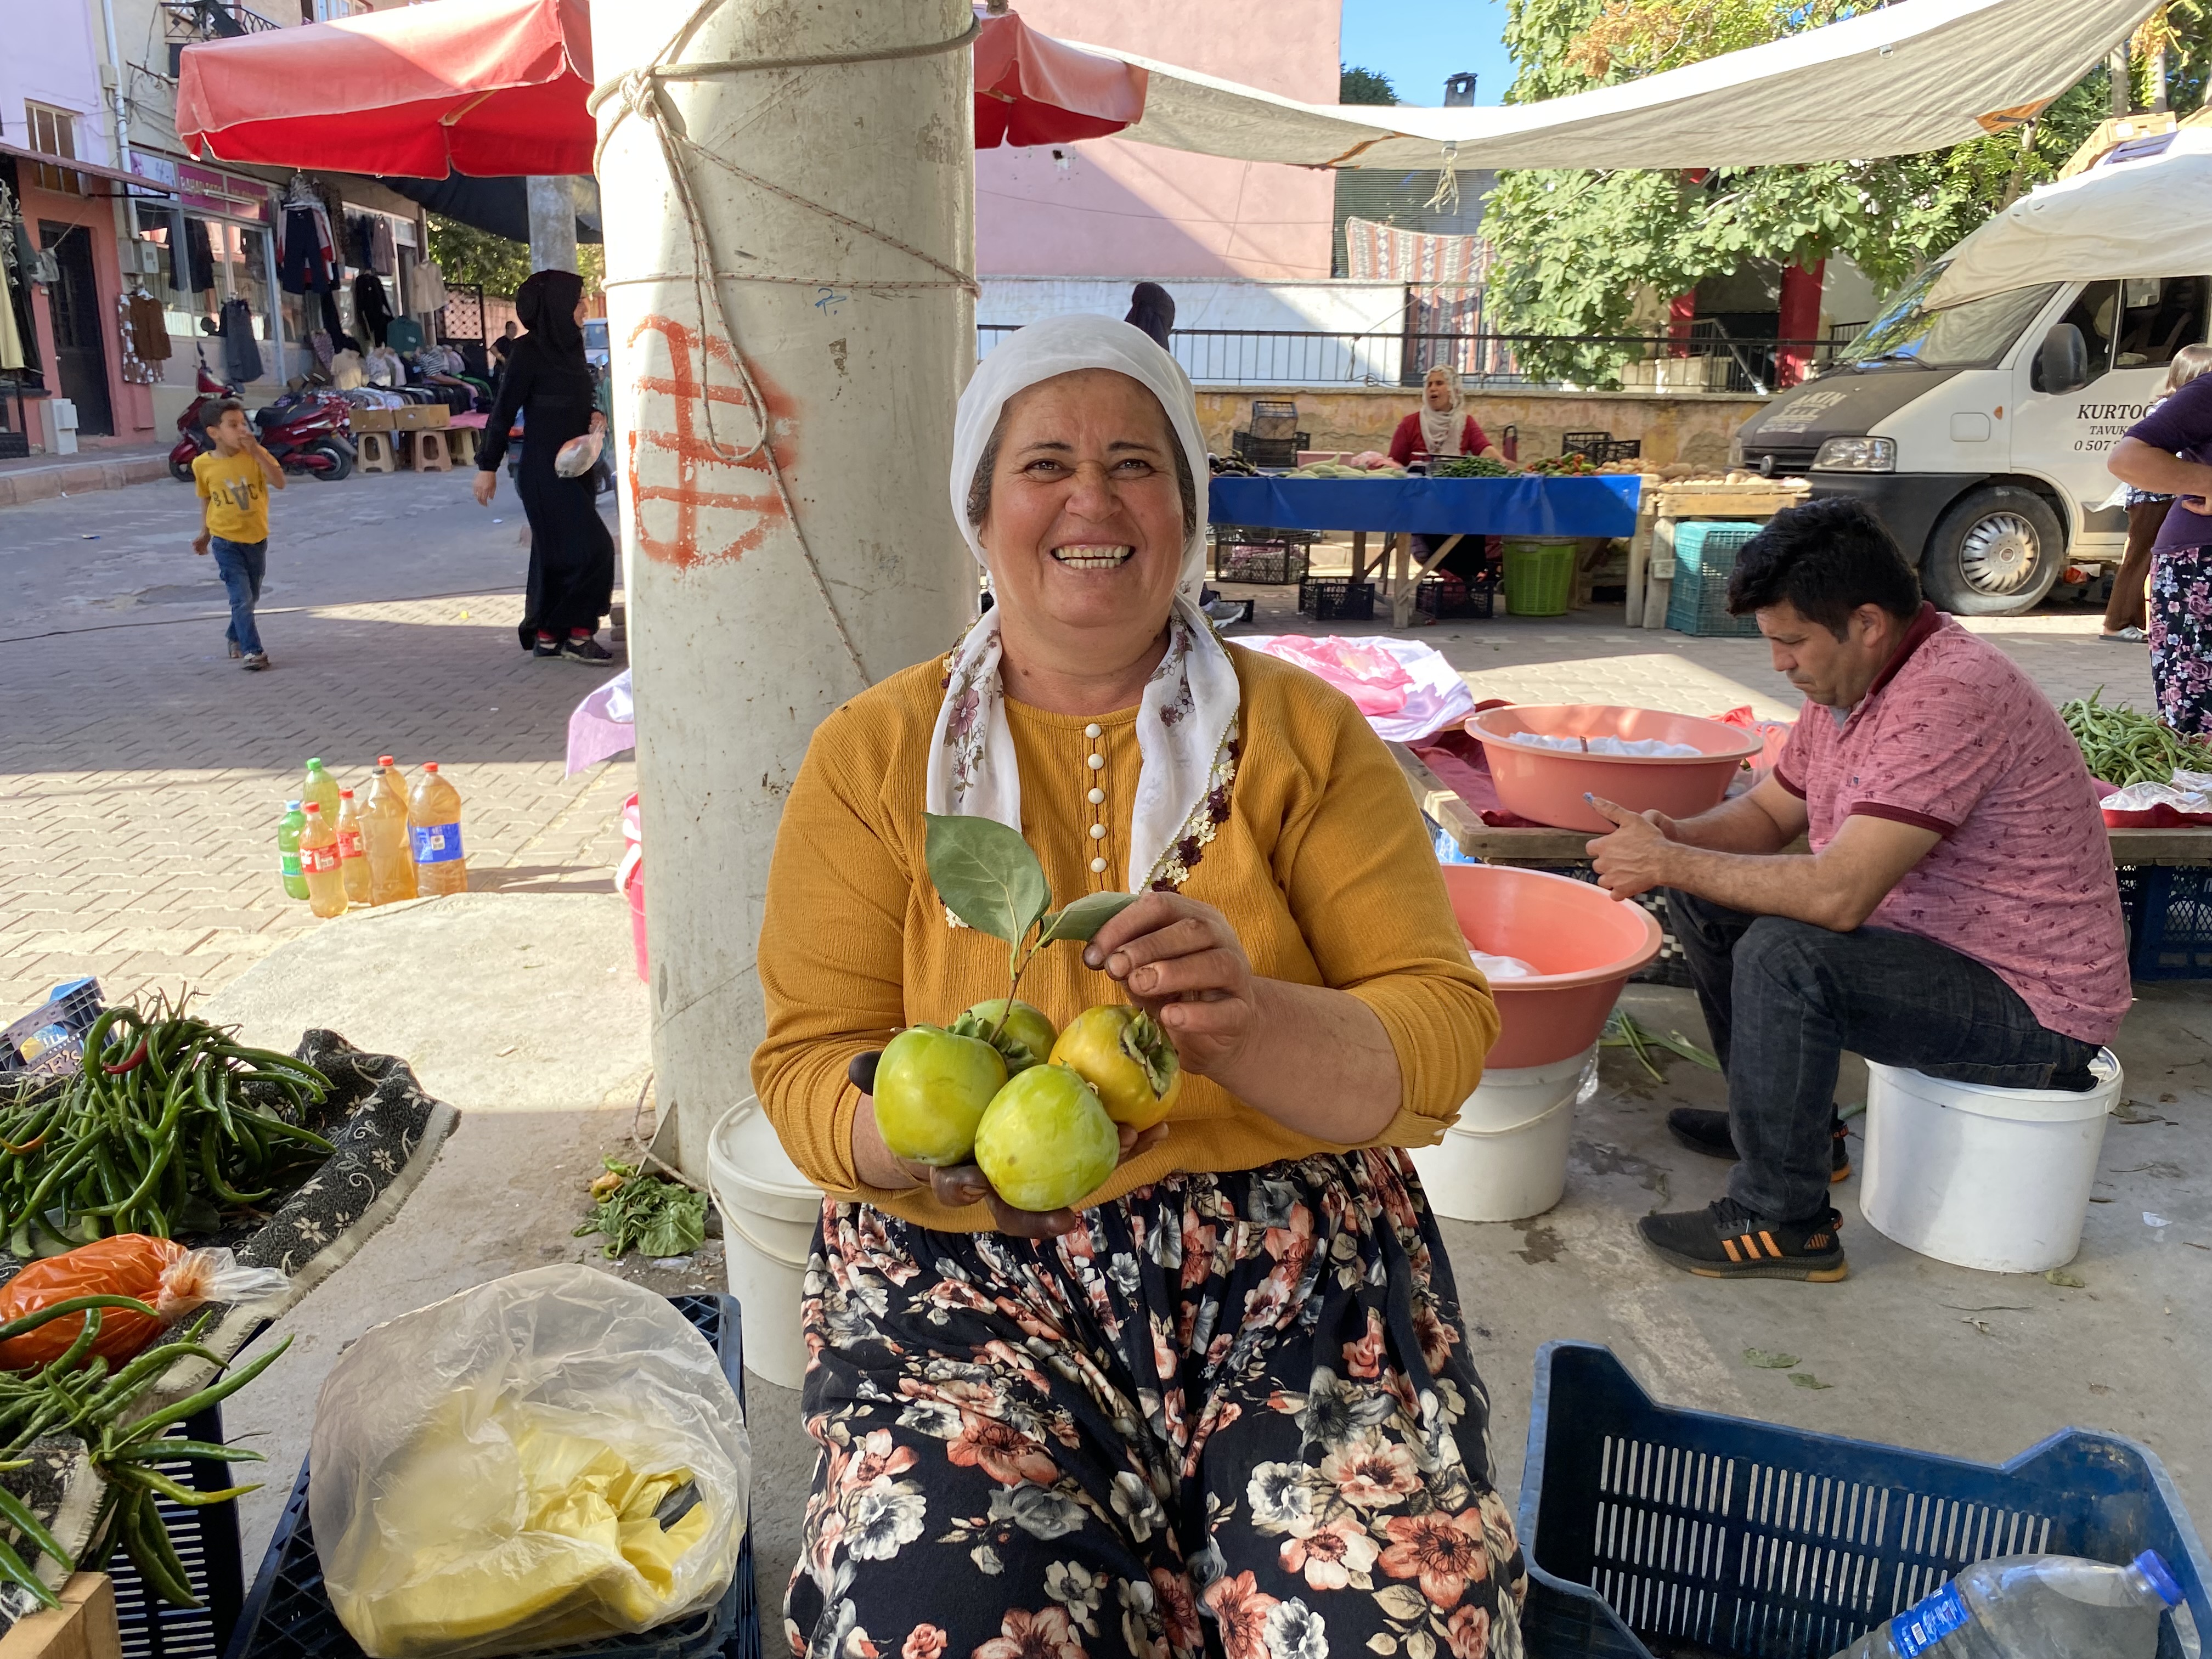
(2169, 912)
(1704, 559)
(286, 1614)
(53, 1035)
(1755, 1542)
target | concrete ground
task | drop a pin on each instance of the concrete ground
(142, 775)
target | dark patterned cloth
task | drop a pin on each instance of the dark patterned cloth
(2181, 638)
(1232, 1415)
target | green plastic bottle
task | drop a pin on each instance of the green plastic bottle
(288, 831)
(321, 788)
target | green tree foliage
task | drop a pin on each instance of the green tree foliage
(1361, 86)
(1574, 244)
(494, 264)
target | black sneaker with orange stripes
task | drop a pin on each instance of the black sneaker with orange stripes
(1726, 1241)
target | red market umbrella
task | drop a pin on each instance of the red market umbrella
(489, 87)
(485, 88)
(1032, 89)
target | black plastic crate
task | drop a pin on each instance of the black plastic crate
(1448, 599)
(289, 1615)
(2169, 917)
(1272, 452)
(206, 1542)
(1336, 599)
(71, 1009)
(1265, 563)
(1741, 1540)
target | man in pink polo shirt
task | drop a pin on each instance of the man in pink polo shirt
(1957, 914)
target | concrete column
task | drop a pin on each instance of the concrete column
(740, 644)
(1799, 319)
(2124, 91)
(552, 224)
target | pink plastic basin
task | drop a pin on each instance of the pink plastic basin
(1547, 786)
(1582, 945)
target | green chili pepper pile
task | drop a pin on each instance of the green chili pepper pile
(2124, 747)
(1469, 466)
(79, 1395)
(167, 1122)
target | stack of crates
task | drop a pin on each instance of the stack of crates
(1704, 558)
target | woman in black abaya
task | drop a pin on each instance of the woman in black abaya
(571, 557)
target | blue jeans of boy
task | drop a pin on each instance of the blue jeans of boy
(1783, 1000)
(243, 564)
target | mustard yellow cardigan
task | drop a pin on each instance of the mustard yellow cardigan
(1321, 863)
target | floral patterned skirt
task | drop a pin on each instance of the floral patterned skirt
(1232, 1415)
(2181, 638)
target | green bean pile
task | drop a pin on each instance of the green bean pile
(77, 1394)
(2124, 747)
(167, 1122)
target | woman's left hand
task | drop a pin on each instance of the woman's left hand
(1182, 964)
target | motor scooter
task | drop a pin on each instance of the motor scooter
(303, 432)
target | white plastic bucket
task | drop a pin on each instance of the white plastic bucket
(1996, 1179)
(770, 1212)
(1506, 1158)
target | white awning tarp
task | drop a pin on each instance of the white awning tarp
(2129, 218)
(1918, 74)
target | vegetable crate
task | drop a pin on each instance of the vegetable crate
(206, 1541)
(2169, 913)
(1281, 452)
(1250, 553)
(287, 1615)
(1747, 1541)
(1336, 599)
(1704, 558)
(49, 1041)
(1450, 599)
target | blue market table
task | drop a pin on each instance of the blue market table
(1527, 505)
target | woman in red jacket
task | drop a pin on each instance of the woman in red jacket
(1440, 426)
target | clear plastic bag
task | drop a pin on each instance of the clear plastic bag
(578, 455)
(546, 1459)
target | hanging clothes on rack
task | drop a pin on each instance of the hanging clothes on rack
(383, 248)
(148, 320)
(192, 267)
(426, 292)
(372, 306)
(241, 352)
(307, 255)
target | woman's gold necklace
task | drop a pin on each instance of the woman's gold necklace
(1097, 765)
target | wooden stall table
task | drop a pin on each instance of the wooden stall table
(1564, 507)
(1663, 505)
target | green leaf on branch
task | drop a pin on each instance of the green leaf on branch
(1083, 918)
(987, 875)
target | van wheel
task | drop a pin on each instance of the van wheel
(1994, 553)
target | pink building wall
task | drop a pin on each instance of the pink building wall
(1116, 209)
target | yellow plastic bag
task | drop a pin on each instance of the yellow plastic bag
(546, 1459)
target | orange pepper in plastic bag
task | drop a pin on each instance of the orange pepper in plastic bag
(170, 1277)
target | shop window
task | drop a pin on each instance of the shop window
(53, 132)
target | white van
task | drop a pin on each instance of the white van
(1978, 429)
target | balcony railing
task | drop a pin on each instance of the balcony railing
(187, 21)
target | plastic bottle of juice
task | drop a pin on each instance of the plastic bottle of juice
(322, 789)
(384, 829)
(318, 863)
(288, 849)
(353, 851)
(434, 822)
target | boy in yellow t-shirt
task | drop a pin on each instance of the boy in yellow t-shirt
(235, 483)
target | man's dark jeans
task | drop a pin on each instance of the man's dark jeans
(1783, 1000)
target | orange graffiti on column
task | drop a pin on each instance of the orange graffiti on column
(682, 440)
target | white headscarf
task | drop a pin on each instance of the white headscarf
(1442, 430)
(1186, 720)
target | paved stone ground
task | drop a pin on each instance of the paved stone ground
(142, 775)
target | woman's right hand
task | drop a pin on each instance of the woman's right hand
(487, 486)
(964, 1185)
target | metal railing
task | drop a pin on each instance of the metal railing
(188, 22)
(1706, 359)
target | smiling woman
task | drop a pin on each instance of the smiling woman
(1216, 1387)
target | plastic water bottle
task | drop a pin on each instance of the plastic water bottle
(384, 829)
(288, 849)
(353, 851)
(434, 823)
(318, 863)
(2039, 1606)
(321, 788)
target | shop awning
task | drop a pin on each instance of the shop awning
(478, 87)
(489, 88)
(1906, 78)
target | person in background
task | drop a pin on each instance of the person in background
(2124, 606)
(2169, 451)
(1443, 428)
(234, 481)
(1151, 308)
(571, 557)
(503, 347)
